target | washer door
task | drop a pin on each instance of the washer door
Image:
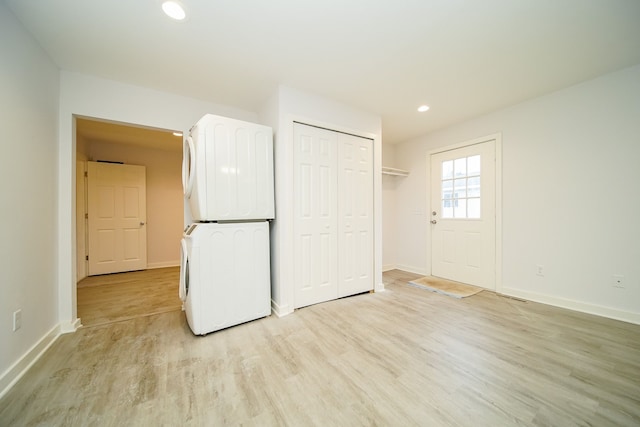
(183, 289)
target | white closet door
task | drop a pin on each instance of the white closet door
(315, 215)
(355, 213)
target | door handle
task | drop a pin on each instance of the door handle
(433, 221)
(141, 223)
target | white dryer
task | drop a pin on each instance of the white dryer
(225, 274)
(227, 170)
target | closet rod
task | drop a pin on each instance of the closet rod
(333, 130)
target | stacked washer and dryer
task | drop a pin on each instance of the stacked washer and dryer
(227, 175)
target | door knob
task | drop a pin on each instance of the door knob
(141, 223)
(433, 221)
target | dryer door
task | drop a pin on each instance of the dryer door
(183, 289)
(188, 165)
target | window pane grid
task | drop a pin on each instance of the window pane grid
(460, 186)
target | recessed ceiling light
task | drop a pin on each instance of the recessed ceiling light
(423, 108)
(177, 133)
(174, 10)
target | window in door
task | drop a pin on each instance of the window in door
(461, 188)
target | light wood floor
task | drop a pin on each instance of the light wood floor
(123, 296)
(402, 357)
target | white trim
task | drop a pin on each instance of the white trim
(412, 269)
(163, 264)
(388, 267)
(70, 327)
(597, 310)
(11, 376)
(280, 311)
(498, 212)
(497, 137)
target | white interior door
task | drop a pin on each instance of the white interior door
(315, 215)
(116, 218)
(463, 220)
(355, 210)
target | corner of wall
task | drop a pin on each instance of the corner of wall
(16, 371)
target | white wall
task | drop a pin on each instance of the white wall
(389, 184)
(165, 219)
(279, 112)
(570, 202)
(28, 176)
(88, 96)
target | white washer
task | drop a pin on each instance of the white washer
(225, 274)
(227, 170)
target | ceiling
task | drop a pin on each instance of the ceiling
(91, 131)
(463, 58)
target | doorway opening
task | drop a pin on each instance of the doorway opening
(159, 153)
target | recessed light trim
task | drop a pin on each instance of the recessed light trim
(423, 108)
(174, 10)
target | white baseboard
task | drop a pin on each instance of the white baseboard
(69, 327)
(22, 365)
(598, 310)
(412, 269)
(280, 311)
(164, 264)
(388, 267)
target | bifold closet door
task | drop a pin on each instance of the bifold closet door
(333, 215)
(355, 215)
(315, 215)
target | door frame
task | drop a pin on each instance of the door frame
(282, 235)
(497, 137)
(301, 298)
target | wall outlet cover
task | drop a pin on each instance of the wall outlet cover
(17, 320)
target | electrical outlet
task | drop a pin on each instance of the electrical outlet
(539, 270)
(17, 320)
(617, 281)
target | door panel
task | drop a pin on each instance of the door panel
(463, 214)
(315, 215)
(117, 218)
(355, 212)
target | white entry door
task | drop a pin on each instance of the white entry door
(315, 182)
(116, 218)
(463, 221)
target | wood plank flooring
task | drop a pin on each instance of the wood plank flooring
(123, 296)
(401, 357)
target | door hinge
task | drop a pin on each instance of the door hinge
(86, 173)
(86, 216)
(86, 257)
